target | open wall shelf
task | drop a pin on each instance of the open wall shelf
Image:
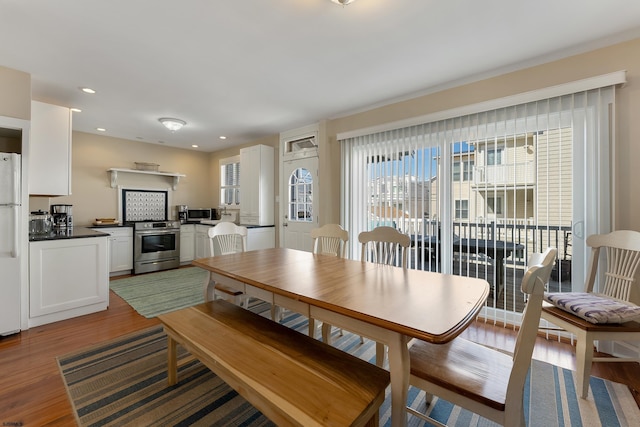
(115, 171)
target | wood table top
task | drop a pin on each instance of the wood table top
(434, 307)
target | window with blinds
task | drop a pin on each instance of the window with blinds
(480, 192)
(230, 181)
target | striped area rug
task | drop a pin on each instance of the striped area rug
(124, 382)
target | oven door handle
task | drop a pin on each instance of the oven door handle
(164, 231)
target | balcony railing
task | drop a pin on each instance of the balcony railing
(505, 283)
(512, 174)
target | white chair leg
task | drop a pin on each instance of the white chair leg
(584, 359)
(428, 398)
(326, 333)
(380, 354)
(312, 327)
(209, 292)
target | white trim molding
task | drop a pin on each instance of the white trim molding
(611, 79)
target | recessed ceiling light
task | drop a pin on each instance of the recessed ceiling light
(194, 145)
(76, 110)
(223, 137)
(87, 90)
(101, 129)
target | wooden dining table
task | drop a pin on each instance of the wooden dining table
(387, 304)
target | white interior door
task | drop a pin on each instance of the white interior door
(299, 190)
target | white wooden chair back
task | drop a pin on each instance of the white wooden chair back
(622, 248)
(385, 245)
(228, 238)
(478, 378)
(533, 285)
(330, 239)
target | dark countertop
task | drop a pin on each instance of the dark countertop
(67, 233)
(126, 225)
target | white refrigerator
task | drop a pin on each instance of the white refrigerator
(10, 242)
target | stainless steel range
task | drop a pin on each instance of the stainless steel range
(156, 246)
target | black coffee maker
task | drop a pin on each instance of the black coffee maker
(182, 213)
(62, 216)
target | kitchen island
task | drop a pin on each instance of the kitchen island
(68, 274)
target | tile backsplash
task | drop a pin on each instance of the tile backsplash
(144, 205)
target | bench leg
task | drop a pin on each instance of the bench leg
(172, 361)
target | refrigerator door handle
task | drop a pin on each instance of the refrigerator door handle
(15, 252)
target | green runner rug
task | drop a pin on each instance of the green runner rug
(152, 294)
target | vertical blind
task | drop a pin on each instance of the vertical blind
(479, 192)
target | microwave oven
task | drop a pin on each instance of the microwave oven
(198, 214)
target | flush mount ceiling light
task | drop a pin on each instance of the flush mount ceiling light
(343, 2)
(172, 124)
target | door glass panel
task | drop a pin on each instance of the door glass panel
(301, 195)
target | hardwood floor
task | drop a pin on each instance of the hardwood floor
(32, 392)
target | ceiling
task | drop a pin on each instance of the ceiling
(252, 68)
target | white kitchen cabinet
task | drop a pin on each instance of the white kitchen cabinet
(120, 244)
(50, 150)
(256, 185)
(187, 243)
(261, 238)
(202, 241)
(67, 278)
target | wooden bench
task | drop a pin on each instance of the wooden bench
(291, 378)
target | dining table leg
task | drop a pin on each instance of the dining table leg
(399, 372)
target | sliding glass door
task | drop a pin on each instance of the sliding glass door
(479, 193)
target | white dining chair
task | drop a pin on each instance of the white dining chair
(382, 245)
(226, 238)
(606, 314)
(480, 379)
(330, 239)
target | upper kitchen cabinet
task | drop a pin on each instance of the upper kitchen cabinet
(50, 150)
(256, 185)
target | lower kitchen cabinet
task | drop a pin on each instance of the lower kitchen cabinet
(261, 238)
(120, 249)
(257, 238)
(202, 249)
(187, 243)
(67, 278)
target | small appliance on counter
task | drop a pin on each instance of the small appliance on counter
(198, 214)
(40, 223)
(62, 216)
(182, 213)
